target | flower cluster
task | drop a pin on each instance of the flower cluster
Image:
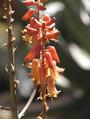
(42, 60)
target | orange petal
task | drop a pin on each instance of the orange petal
(28, 2)
(31, 30)
(53, 53)
(35, 70)
(41, 7)
(52, 35)
(50, 27)
(51, 21)
(30, 55)
(37, 23)
(51, 87)
(46, 17)
(54, 72)
(28, 14)
(35, 52)
(48, 58)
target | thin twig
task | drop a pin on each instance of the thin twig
(21, 114)
(5, 108)
(11, 62)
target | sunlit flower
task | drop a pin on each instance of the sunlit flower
(34, 53)
(36, 28)
(35, 71)
(53, 53)
(41, 60)
(51, 88)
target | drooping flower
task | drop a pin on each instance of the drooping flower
(51, 88)
(35, 71)
(54, 54)
(48, 58)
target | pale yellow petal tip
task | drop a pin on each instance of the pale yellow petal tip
(55, 93)
(60, 70)
(39, 117)
(16, 82)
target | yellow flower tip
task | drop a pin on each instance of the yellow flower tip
(24, 31)
(60, 70)
(46, 106)
(51, 88)
(55, 93)
(39, 117)
(28, 38)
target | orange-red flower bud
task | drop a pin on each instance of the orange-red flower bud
(53, 53)
(46, 17)
(28, 2)
(37, 23)
(35, 52)
(31, 30)
(30, 55)
(48, 58)
(51, 21)
(28, 14)
(52, 34)
(41, 7)
(51, 26)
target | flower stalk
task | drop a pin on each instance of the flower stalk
(11, 64)
(41, 60)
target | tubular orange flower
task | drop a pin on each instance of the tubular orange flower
(37, 23)
(48, 58)
(30, 55)
(35, 71)
(31, 30)
(54, 54)
(52, 91)
(51, 21)
(50, 27)
(28, 14)
(34, 53)
(53, 71)
(52, 34)
(45, 17)
(28, 2)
